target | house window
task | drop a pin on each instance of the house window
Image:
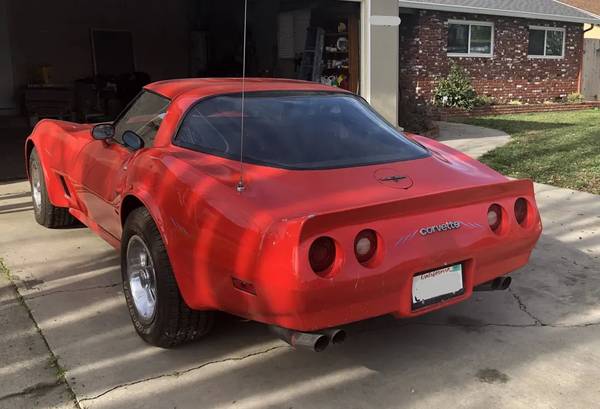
(546, 42)
(470, 39)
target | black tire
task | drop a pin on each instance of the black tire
(173, 322)
(45, 212)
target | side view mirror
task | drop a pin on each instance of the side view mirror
(133, 140)
(102, 132)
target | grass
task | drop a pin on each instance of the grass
(557, 148)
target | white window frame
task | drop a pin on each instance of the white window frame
(471, 23)
(545, 30)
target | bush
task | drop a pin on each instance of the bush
(484, 101)
(455, 90)
(575, 98)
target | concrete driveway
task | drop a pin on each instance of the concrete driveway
(535, 346)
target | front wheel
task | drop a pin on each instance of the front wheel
(45, 212)
(158, 312)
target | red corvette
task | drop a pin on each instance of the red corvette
(332, 217)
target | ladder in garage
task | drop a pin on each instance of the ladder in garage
(312, 56)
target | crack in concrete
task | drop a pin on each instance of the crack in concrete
(38, 388)
(523, 307)
(186, 371)
(74, 290)
(479, 326)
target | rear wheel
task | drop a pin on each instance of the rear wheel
(158, 312)
(45, 212)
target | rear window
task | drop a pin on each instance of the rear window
(295, 131)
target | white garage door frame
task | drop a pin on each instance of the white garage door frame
(365, 41)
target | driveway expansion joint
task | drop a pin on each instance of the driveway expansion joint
(60, 373)
(75, 290)
(186, 371)
(39, 389)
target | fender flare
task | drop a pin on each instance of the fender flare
(145, 199)
(53, 185)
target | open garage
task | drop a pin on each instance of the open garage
(85, 61)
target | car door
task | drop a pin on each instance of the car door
(105, 163)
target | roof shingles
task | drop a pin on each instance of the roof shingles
(538, 9)
(593, 6)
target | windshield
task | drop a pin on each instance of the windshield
(296, 130)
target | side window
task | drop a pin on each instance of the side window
(470, 38)
(144, 117)
(546, 42)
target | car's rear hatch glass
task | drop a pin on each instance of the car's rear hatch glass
(295, 130)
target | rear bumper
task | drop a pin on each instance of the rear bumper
(286, 292)
(389, 292)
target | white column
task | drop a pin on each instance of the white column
(381, 54)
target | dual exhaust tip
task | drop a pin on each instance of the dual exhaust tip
(314, 341)
(319, 341)
(498, 284)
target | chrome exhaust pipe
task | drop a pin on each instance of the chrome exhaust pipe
(506, 283)
(336, 336)
(497, 284)
(306, 340)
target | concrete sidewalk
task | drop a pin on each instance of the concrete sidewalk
(535, 346)
(472, 140)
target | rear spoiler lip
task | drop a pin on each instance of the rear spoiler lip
(420, 204)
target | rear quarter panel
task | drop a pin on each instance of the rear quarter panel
(211, 232)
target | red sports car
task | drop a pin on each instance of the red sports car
(322, 214)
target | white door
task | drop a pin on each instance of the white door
(7, 103)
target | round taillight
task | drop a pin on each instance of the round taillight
(494, 217)
(322, 255)
(521, 210)
(365, 246)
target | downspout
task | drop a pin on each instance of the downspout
(580, 79)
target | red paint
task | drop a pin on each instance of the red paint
(216, 237)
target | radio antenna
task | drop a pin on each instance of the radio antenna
(241, 186)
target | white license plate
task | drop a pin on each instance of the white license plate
(438, 285)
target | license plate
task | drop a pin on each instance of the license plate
(436, 286)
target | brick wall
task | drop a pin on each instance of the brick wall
(509, 75)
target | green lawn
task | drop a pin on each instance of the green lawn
(559, 148)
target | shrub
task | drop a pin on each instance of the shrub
(515, 102)
(484, 101)
(455, 90)
(574, 98)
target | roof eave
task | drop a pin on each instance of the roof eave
(496, 12)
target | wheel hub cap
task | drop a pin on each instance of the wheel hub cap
(36, 185)
(141, 278)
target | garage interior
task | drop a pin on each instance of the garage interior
(84, 61)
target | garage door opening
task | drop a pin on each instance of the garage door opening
(85, 61)
(318, 41)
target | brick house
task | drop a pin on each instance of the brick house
(529, 51)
